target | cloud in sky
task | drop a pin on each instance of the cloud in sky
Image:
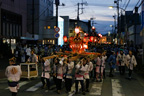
(95, 8)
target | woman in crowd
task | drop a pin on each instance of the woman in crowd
(58, 73)
(88, 70)
(45, 74)
(81, 68)
(131, 63)
(68, 66)
(13, 73)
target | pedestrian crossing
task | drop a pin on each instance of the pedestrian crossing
(95, 89)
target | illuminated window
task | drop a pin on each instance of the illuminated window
(48, 27)
(54, 26)
(48, 40)
(44, 27)
(53, 41)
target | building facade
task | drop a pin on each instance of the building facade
(42, 10)
(13, 15)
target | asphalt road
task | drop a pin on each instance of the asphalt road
(111, 86)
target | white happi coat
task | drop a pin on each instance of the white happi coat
(58, 69)
(130, 61)
(46, 69)
(122, 59)
(69, 70)
(89, 69)
(13, 77)
(80, 71)
(104, 60)
(98, 64)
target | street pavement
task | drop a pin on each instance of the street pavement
(111, 86)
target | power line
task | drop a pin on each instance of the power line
(124, 3)
(141, 3)
(127, 4)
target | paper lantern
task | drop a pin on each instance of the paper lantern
(65, 38)
(77, 30)
(100, 35)
(91, 39)
(71, 38)
(85, 46)
(85, 39)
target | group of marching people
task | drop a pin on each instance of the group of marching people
(64, 68)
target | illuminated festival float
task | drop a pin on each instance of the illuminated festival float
(79, 43)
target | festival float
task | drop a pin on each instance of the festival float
(78, 43)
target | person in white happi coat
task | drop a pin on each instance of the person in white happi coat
(58, 73)
(13, 73)
(104, 57)
(81, 68)
(45, 74)
(120, 60)
(130, 62)
(86, 75)
(99, 68)
(68, 66)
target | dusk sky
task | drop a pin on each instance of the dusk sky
(97, 9)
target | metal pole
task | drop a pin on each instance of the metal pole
(78, 15)
(118, 19)
(32, 18)
(56, 15)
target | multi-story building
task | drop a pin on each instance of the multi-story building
(42, 10)
(13, 15)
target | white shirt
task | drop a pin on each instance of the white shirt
(46, 70)
(13, 77)
(80, 70)
(130, 61)
(89, 68)
(103, 60)
(121, 58)
(28, 51)
(59, 70)
(70, 68)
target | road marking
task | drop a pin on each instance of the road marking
(73, 89)
(35, 87)
(117, 88)
(96, 89)
(21, 84)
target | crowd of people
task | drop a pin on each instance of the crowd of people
(64, 68)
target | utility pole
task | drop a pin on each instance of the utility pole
(33, 18)
(118, 27)
(78, 15)
(57, 4)
(78, 4)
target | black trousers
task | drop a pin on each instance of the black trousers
(82, 85)
(68, 84)
(54, 79)
(94, 72)
(58, 83)
(14, 93)
(104, 73)
(47, 82)
(122, 70)
(130, 72)
(87, 83)
(111, 71)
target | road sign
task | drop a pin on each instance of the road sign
(57, 29)
(56, 35)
